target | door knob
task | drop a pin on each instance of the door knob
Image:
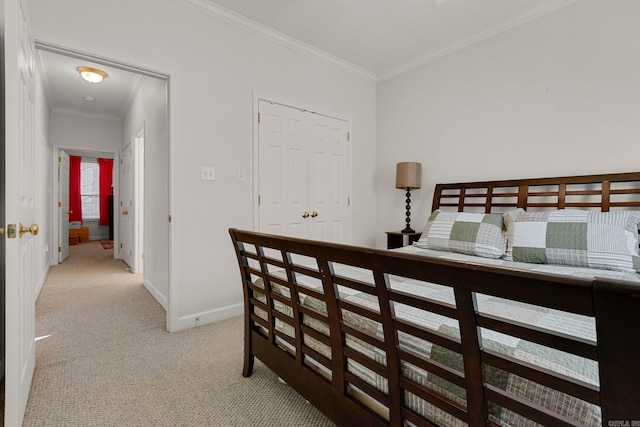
(305, 214)
(34, 229)
(314, 214)
(125, 212)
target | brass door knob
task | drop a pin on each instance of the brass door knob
(125, 212)
(34, 229)
(305, 214)
(314, 214)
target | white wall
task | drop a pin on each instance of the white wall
(149, 110)
(557, 96)
(96, 231)
(215, 70)
(82, 131)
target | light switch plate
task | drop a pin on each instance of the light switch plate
(208, 173)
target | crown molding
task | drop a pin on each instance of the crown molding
(223, 14)
(260, 30)
(477, 36)
(135, 87)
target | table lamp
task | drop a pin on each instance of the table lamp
(408, 177)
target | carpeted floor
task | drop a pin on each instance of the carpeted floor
(104, 358)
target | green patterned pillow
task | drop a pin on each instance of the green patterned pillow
(463, 232)
(605, 240)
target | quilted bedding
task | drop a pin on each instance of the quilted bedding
(574, 325)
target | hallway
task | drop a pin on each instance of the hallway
(104, 358)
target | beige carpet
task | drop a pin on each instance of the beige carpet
(104, 358)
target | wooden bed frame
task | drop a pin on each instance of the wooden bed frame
(349, 401)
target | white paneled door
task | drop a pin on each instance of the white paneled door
(20, 230)
(329, 164)
(304, 174)
(132, 203)
(63, 206)
(127, 207)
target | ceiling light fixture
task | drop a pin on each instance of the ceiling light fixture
(92, 75)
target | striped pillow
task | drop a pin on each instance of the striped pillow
(605, 240)
(463, 232)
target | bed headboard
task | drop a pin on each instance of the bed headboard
(603, 192)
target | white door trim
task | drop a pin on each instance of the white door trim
(257, 97)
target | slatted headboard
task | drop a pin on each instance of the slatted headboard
(602, 192)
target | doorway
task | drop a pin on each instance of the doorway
(87, 224)
(143, 116)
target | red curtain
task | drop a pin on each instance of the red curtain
(106, 189)
(75, 201)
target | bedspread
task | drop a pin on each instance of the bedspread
(570, 324)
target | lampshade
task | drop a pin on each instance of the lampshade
(91, 75)
(408, 175)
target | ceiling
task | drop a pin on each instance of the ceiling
(380, 38)
(67, 91)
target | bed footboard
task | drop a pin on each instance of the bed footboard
(343, 326)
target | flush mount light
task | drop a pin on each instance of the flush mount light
(89, 98)
(92, 75)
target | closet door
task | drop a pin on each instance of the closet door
(329, 179)
(304, 174)
(281, 171)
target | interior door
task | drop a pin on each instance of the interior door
(19, 209)
(282, 173)
(63, 206)
(304, 171)
(329, 179)
(127, 230)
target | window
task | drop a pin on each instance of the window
(90, 189)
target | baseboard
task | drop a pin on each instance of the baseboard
(205, 317)
(162, 299)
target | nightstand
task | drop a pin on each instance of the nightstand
(396, 239)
